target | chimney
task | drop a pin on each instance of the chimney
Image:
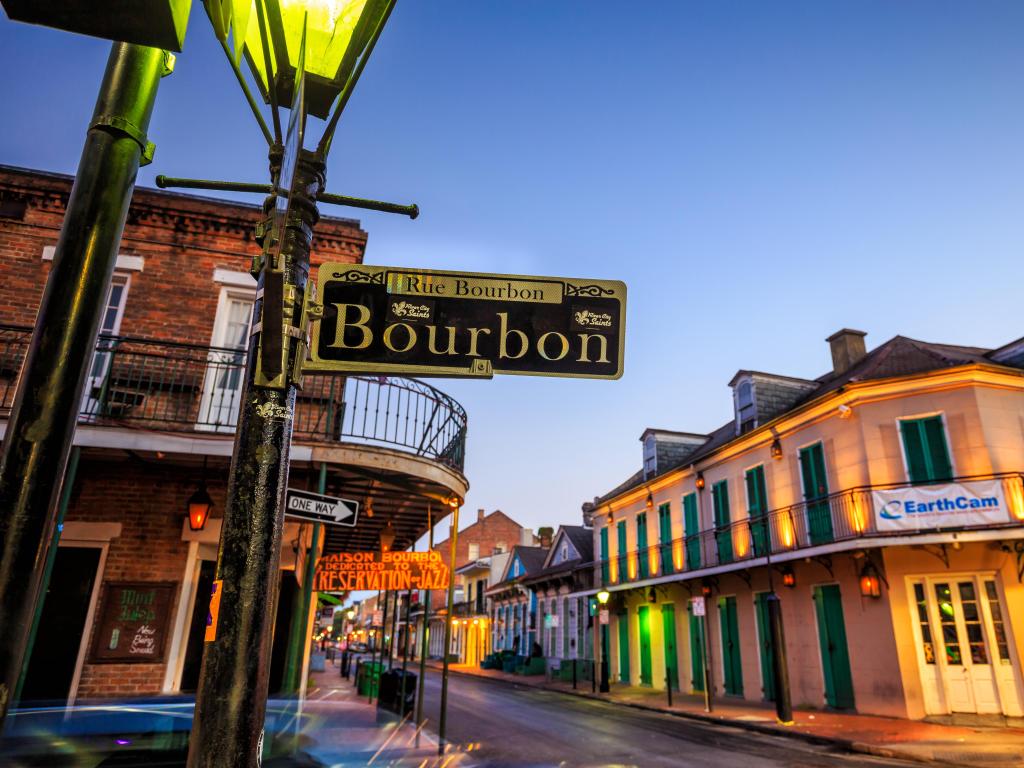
(848, 349)
(526, 537)
(479, 515)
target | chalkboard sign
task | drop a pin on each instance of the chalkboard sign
(133, 622)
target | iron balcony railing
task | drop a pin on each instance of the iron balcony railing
(837, 517)
(176, 387)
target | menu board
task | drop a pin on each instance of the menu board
(133, 622)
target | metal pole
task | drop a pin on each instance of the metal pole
(42, 421)
(780, 666)
(51, 556)
(425, 639)
(707, 661)
(375, 645)
(383, 645)
(405, 647)
(668, 686)
(448, 634)
(603, 629)
(231, 702)
(394, 630)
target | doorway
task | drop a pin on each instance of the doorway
(964, 651)
(644, 620)
(835, 655)
(668, 632)
(732, 669)
(623, 622)
(696, 651)
(764, 644)
(197, 627)
(62, 625)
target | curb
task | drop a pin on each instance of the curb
(849, 745)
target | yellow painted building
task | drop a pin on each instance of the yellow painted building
(882, 502)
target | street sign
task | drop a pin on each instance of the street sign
(698, 606)
(418, 322)
(384, 571)
(603, 616)
(321, 509)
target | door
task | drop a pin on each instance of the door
(968, 662)
(731, 667)
(764, 644)
(96, 391)
(691, 530)
(696, 651)
(620, 538)
(757, 509)
(54, 656)
(812, 472)
(665, 538)
(723, 532)
(668, 633)
(835, 656)
(623, 622)
(643, 556)
(644, 620)
(197, 627)
(222, 389)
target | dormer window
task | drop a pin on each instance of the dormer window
(746, 410)
(650, 457)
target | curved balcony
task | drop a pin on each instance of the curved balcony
(175, 387)
(845, 516)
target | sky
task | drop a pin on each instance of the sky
(759, 174)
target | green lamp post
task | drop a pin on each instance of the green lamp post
(602, 599)
(308, 54)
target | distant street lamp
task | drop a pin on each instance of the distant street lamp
(602, 599)
(308, 54)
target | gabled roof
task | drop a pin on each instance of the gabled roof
(531, 558)
(899, 356)
(580, 538)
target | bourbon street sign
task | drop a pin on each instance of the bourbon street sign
(347, 571)
(430, 322)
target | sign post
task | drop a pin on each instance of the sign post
(412, 322)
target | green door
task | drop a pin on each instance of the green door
(642, 555)
(723, 533)
(835, 656)
(620, 537)
(644, 620)
(733, 671)
(696, 650)
(668, 632)
(691, 530)
(924, 444)
(605, 576)
(665, 537)
(623, 622)
(764, 644)
(757, 508)
(812, 469)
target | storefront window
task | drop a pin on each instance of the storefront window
(926, 630)
(997, 622)
(947, 619)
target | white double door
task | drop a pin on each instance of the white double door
(965, 654)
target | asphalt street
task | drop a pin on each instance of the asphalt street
(504, 726)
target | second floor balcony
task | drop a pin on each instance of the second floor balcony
(186, 388)
(819, 525)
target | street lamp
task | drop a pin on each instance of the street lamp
(602, 599)
(308, 54)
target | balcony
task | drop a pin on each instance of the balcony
(172, 387)
(840, 517)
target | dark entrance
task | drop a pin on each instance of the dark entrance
(287, 601)
(197, 627)
(51, 667)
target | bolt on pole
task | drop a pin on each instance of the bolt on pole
(231, 702)
(42, 421)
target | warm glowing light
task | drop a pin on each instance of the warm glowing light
(741, 541)
(652, 561)
(786, 531)
(858, 516)
(1015, 488)
(788, 578)
(677, 555)
(631, 565)
(602, 596)
(870, 583)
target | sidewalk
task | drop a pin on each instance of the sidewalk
(979, 747)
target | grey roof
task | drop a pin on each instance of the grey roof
(532, 558)
(582, 539)
(899, 356)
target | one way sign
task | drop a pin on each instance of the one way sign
(321, 509)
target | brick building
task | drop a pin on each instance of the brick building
(157, 419)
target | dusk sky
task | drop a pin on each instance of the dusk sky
(758, 174)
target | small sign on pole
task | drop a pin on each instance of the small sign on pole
(698, 606)
(604, 617)
(321, 509)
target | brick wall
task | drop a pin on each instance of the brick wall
(487, 531)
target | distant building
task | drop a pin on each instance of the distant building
(883, 502)
(514, 605)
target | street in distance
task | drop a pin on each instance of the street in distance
(383, 320)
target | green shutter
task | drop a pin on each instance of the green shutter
(642, 555)
(643, 616)
(924, 444)
(815, 482)
(757, 499)
(723, 534)
(691, 530)
(764, 637)
(665, 537)
(696, 650)
(604, 556)
(731, 665)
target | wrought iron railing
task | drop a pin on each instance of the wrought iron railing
(178, 387)
(837, 517)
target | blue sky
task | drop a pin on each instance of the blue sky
(759, 174)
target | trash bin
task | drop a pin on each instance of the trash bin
(368, 679)
(397, 691)
(316, 662)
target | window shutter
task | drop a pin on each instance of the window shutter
(938, 451)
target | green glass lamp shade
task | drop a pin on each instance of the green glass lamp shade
(337, 34)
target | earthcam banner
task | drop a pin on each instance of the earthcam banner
(953, 505)
(420, 322)
(347, 571)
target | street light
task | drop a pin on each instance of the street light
(308, 54)
(602, 599)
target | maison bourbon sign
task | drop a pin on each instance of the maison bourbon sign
(133, 622)
(348, 571)
(420, 322)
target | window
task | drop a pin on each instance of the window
(691, 530)
(650, 457)
(474, 550)
(641, 545)
(746, 411)
(110, 325)
(604, 556)
(564, 553)
(924, 445)
(997, 622)
(499, 547)
(665, 537)
(757, 508)
(815, 487)
(222, 390)
(723, 533)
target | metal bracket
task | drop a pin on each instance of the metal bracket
(825, 561)
(942, 554)
(1018, 549)
(312, 310)
(747, 577)
(116, 124)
